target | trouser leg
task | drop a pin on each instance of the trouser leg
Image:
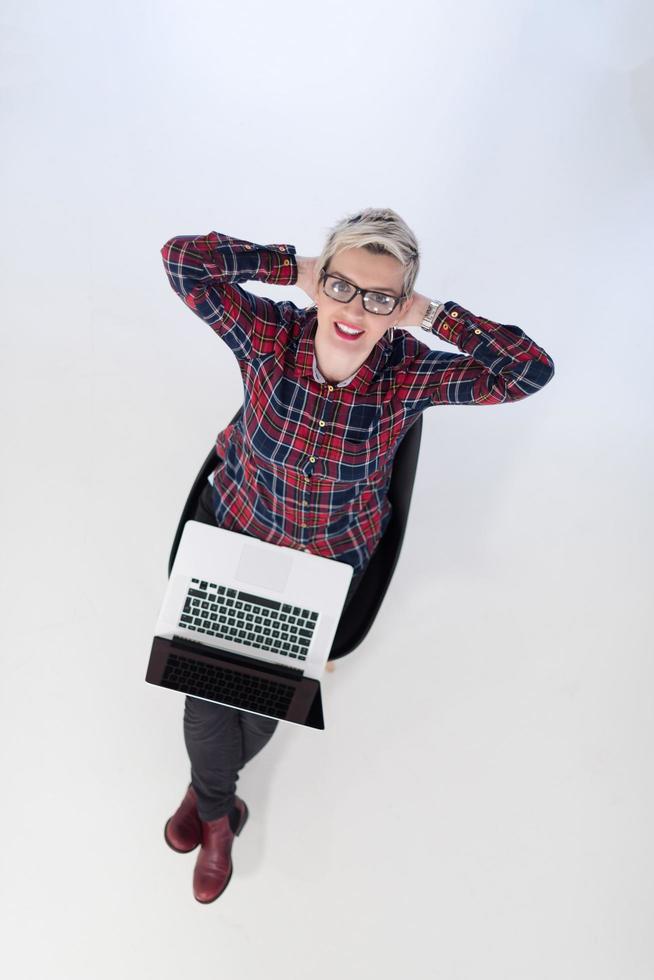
(256, 731)
(220, 740)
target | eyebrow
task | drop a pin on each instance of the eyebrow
(370, 289)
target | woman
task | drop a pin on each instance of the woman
(329, 393)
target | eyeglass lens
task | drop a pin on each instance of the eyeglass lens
(373, 302)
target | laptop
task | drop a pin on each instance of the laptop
(248, 624)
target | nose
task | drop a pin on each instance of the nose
(355, 301)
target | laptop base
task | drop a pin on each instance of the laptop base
(226, 678)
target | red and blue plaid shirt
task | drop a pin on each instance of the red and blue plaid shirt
(307, 464)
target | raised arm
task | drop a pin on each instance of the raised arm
(500, 362)
(205, 270)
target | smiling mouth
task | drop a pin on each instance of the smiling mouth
(349, 332)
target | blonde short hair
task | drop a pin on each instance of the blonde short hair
(381, 231)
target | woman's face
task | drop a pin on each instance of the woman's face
(339, 356)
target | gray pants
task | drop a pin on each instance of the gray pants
(220, 740)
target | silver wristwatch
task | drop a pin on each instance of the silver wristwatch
(434, 308)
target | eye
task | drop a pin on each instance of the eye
(341, 286)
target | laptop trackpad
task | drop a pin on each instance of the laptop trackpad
(269, 569)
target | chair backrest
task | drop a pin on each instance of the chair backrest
(364, 606)
(362, 610)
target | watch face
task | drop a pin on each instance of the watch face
(430, 316)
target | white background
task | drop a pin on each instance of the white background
(481, 803)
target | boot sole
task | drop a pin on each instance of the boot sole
(178, 850)
(246, 814)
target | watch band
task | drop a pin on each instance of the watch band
(434, 308)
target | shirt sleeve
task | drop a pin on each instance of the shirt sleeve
(205, 270)
(500, 363)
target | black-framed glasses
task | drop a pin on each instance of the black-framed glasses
(343, 291)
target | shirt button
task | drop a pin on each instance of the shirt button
(248, 247)
(321, 423)
(454, 313)
(477, 330)
(312, 459)
(287, 261)
(282, 248)
(330, 387)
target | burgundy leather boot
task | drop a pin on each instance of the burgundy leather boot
(213, 868)
(183, 832)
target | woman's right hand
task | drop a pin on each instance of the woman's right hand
(307, 275)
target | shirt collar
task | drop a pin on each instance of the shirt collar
(321, 380)
(305, 358)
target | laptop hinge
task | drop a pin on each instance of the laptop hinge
(218, 653)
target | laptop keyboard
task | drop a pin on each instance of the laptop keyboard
(252, 620)
(218, 684)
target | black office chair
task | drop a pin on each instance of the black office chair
(360, 613)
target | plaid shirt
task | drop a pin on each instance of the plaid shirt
(307, 464)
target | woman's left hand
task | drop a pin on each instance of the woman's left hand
(307, 275)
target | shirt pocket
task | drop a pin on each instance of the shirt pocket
(361, 424)
(352, 469)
